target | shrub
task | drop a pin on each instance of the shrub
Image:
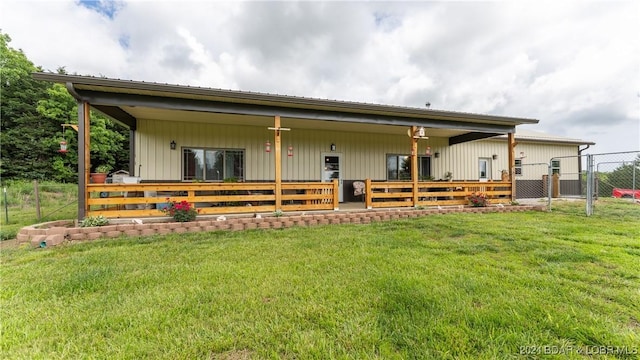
(180, 211)
(478, 199)
(94, 221)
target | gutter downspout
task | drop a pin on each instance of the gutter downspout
(580, 163)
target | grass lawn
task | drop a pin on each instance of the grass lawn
(57, 202)
(474, 286)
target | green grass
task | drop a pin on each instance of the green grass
(57, 202)
(470, 286)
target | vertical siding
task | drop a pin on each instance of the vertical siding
(363, 154)
(462, 159)
(537, 155)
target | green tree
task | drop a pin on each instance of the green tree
(25, 136)
(32, 114)
(109, 143)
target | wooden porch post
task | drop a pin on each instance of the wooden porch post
(84, 158)
(336, 199)
(278, 152)
(414, 164)
(367, 193)
(511, 143)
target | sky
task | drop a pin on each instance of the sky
(573, 65)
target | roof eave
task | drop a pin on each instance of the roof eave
(281, 100)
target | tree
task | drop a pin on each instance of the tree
(25, 136)
(106, 141)
(32, 114)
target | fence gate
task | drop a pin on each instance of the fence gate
(613, 175)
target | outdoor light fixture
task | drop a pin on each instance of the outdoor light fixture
(522, 155)
(172, 144)
(333, 147)
(436, 155)
(494, 156)
(267, 147)
(428, 151)
(290, 151)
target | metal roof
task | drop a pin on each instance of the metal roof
(536, 136)
(126, 100)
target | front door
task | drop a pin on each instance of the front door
(484, 169)
(332, 169)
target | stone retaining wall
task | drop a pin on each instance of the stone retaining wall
(57, 232)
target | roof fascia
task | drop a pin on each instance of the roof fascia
(118, 99)
(545, 141)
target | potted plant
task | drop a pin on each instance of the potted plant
(100, 174)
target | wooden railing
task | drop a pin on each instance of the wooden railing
(142, 200)
(400, 194)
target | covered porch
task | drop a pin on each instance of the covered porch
(282, 153)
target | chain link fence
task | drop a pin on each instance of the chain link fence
(586, 178)
(592, 177)
(529, 181)
(613, 175)
(29, 202)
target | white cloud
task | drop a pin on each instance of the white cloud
(573, 65)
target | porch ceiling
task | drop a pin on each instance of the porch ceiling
(257, 120)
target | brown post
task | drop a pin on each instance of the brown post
(278, 154)
(511, 143)
(367, 193)
(36, 192)
(336, 199)
(414, 164)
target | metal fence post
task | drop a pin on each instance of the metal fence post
(549, 184)
(633, 181)
(590, 185)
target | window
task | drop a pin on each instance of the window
(424, 167)
(399, 167)
(212, 164)
(555, 167)
(518, 167)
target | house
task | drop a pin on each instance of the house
(535, 153)
(233, 151)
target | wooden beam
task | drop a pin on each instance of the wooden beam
(414, 164)
(336, 199)
(278, 155)
(511, 144)
(367, 193)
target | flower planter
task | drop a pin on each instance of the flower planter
(98, 178)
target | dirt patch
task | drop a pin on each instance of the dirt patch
(9, 244)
